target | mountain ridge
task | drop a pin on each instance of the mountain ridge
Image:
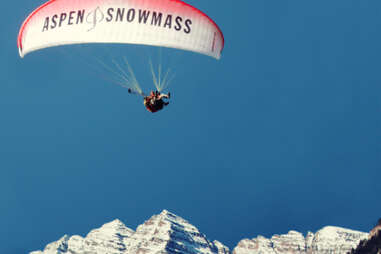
(167, 233)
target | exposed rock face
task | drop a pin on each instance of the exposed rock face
(163, 233)
(167, 233)
(339, 239)
(372, 245)
(375, 231)
(329, 240)
(110, 238)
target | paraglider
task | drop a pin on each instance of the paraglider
(154, 102)
(164, 23)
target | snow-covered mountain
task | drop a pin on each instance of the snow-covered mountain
(329, 240)
(163, 233)
(110, 238)
(168, 233)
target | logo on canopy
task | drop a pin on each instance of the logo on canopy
(94, 17)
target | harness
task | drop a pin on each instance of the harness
(155, 106)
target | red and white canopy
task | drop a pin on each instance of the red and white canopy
(167, 23)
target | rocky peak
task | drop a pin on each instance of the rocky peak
(115, 227)
(110, 238)
(169, 233)
(340, 239)
(327, 240)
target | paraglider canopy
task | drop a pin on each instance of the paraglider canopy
(167, 23)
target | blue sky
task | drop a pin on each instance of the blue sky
(282, 133)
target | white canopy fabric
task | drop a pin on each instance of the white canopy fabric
(167, 23)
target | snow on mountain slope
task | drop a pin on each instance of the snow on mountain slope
(167, 233)
(109, 239)
(163, 233)
(339, 239)
(329, 240)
